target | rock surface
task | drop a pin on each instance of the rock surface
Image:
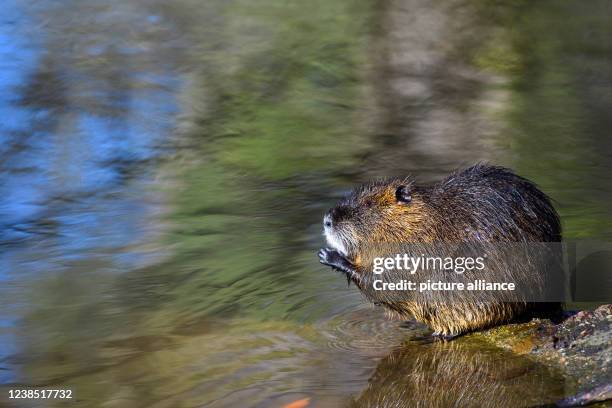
(581, 345)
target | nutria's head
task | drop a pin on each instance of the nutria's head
(390, 211)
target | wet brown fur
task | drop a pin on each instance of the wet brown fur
(482, 203)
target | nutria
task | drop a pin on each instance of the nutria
(483, 204)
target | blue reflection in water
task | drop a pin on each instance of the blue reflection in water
(78, 145)
(18, 57)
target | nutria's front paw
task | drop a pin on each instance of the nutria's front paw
(336, 260)
(330, 257)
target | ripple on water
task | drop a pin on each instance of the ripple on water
(370, 332)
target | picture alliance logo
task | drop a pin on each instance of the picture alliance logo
(441, 286)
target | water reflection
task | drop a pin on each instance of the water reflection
(458, 374)
(76, 161)
(164, 167)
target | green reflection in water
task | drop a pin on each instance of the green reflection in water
(557, 117)
(280, 87)
(282, 94)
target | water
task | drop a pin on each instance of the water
(164, 168)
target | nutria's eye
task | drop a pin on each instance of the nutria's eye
(402, 195)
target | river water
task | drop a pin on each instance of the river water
(164, 168)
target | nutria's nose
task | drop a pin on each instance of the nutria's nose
(327, 221)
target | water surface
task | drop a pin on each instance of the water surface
(164, 167)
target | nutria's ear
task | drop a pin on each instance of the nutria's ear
(402, 195)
